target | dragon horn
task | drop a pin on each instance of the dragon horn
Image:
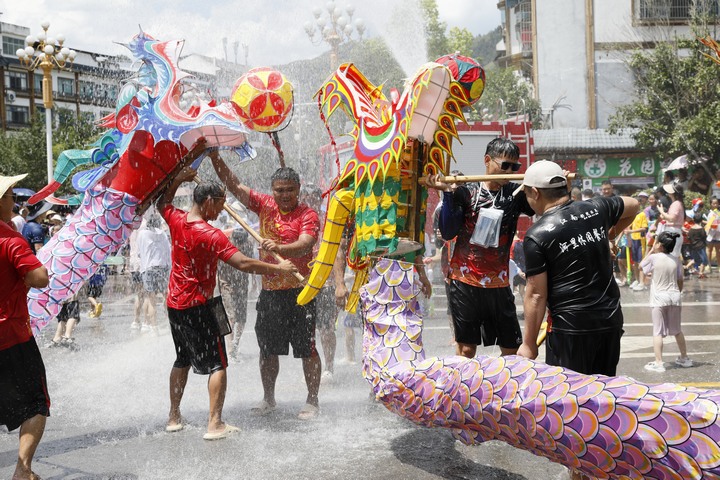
(338, 212)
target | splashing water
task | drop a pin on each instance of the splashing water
(403, 30)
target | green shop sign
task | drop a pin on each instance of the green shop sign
(601, 168)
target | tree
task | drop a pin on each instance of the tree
(437, 43)
(23, 151)
(484, 48)
(514, 91)
(677, 106)
(460, 40)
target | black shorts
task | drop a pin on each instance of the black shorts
(326, 309)
(94, 291)
(591, 353)
(69, 310)
(282, 322)
(484, 316)
(136, 278)
(23, 384)
(197, 341)
(155, 279)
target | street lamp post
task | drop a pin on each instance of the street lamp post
(336, 28)
(45, 52)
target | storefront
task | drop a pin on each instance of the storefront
(627, 173)
(596, 156)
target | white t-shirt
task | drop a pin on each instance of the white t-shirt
(153, 247)
(19, 222)
(666, 271)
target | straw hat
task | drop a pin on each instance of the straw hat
(7, 182)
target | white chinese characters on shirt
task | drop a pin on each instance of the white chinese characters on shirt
(591, 236)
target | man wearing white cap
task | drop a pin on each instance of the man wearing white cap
(24, 401)
(569, 270)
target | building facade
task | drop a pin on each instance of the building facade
(576, 54)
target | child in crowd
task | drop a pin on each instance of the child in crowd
(94, 290)
(665, 298)
(68, 318)
(698, 246)
(713, 232)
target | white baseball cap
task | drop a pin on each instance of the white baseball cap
(543, 174)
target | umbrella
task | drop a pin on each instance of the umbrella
(23, 192)
(678, 163)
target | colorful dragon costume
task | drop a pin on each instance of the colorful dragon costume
(397, 141)
(149, 134)
(605, 427)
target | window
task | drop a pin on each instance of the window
(17, 115)
(523, 24)
(674, 10)
(86, 90)
(10, 45)
(37, 82)
(16, 80)
(66, 86)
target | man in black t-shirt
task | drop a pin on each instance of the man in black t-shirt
(569, 270)
(483, 217)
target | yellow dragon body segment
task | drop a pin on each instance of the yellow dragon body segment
(397, 141)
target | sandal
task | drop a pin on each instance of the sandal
(309, 412)
(263, 408)
(174, 428)
(221, 434)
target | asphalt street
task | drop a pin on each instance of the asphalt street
(110, 402)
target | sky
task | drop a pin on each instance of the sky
(273, 30)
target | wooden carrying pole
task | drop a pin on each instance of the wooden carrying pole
(251, 231)
(485, 178)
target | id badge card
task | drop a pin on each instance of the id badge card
(487, 228)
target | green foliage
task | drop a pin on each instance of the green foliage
(677, 106)
(73, 131)
(460, 40)
(503, 83)
(23, 151)
(437, 43)
(484, 47)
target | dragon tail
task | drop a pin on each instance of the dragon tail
(97, 229)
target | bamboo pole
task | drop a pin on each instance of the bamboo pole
(251, 231)
(484, 178)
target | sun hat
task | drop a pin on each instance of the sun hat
(668, 188)
(7, 182)
(643, 194)
(38, 209)
(543, 174)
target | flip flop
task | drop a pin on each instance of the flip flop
(263, 408)
(174, 428)
(222, 434)
(308, 412)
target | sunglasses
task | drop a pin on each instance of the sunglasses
(508, 165)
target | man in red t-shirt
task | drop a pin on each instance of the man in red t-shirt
(196, 249)
(290, 229)
(25, 403)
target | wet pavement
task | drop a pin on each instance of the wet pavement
(110, 402)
